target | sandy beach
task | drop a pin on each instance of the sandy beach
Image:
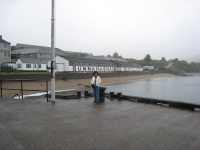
(71, 84)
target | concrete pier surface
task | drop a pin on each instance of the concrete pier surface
(81, 124)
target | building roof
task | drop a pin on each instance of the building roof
(126, 63)
(102, 57)
(118, 59)
(34, 60)
(87, 60)
(8, 63)
(20, 45)
(98, 61)
(3, 41)
(41, 50)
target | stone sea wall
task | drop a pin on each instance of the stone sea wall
(70, 76)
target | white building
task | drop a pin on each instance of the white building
(38, 58)
(148, 67)
(72, 64)
(5, 50)
(31, 64)
(33, 51)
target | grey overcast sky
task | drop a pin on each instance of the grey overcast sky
(133, 28)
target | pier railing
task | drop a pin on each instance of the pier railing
(22, 89)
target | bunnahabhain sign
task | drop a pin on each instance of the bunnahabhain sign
(95, 68)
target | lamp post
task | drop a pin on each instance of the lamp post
(53, 53)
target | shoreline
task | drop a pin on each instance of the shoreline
(192, 74)
(136, 80)
(73, 84)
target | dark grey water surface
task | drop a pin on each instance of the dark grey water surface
(186, 89)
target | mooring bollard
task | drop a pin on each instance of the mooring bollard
(119, 95)
(112, 95)
(102, 94)
(86, 94)
(79, 94)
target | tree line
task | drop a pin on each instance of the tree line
(177, 66)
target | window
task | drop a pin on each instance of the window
(28, 65)
(39, 66)
(5, 53)
(35, 65)
(18, 65)
(28, 55)
(40, 54)
(4, 45)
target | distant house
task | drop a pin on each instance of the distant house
(34, 51)
(148, 67)
(127, 66)
(5, 50)
(31, 64)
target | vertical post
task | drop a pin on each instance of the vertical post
(47, 90)
(22, 90)
(53, 54)
(1, 88)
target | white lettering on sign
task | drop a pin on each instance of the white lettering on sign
(106, 69)
(91, 68)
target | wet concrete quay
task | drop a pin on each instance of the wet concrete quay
(80, 124)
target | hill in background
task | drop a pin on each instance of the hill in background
(192, 59)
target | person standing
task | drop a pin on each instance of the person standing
(95, 81)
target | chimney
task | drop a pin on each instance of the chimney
(0, 36)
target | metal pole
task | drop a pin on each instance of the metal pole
(1, 88)
(22, 89)
(47, 90)
(53, 54)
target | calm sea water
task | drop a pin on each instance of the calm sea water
(186, 89)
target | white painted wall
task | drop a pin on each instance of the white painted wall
(105, 69)
(63, 65)
(34, 67)
(12, 65)
(60, 60)
(60, 67)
